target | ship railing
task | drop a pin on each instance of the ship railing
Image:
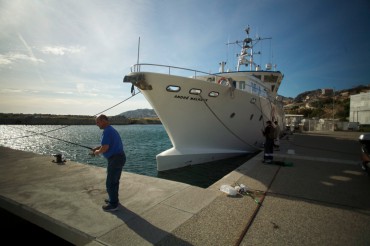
(171, 70)
(181, 71)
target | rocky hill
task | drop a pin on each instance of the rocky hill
(139, 114)
(323, 103)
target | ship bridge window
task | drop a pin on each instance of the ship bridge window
(213, 94)
(173, 88)
(257, 76)
(195, 91)
(270, 78)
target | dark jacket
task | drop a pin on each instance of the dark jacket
(269, 132)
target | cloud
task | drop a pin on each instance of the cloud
(13, 57)
(7, 90)
(61, 50)
(4, 60)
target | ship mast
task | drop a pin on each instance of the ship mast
(246, 54)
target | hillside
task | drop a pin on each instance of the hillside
(139, 113)
(323, 103)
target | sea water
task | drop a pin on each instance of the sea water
(141, 143)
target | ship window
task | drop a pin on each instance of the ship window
(213, 94)
(270, 78)
(195, 91)
(173, 88)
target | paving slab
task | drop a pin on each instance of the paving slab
(66, 199)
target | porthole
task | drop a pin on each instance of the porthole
(173, 88)
(251, 116)
(232, 115)
(213, 94)
(195, 91)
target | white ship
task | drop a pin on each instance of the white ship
(210, 117)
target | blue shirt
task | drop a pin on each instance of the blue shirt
(112, 138)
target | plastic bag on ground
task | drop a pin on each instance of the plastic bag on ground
(231, 191)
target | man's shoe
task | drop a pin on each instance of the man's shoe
(109, 208)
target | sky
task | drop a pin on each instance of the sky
(69, 57)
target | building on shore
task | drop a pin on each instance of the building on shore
(360, 108)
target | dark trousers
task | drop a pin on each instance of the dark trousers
(269, 149)
(114, 171)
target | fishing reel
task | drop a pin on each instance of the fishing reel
(91, 153)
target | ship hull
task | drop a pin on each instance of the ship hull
(205, 121)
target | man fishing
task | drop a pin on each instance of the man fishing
(112, 149)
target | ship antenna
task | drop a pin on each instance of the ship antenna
(247, 51)
(138, 51)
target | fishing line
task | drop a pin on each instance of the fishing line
(37, 133)
(44, 133)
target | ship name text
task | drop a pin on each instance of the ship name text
(190, 98)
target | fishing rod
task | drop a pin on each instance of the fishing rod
(87, 147)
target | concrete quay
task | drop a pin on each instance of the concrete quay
(321, 197)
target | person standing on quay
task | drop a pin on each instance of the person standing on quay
(112, 149)
(269, 134)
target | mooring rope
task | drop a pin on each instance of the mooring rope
(256, 210)
(118, 103)
(226, 127)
